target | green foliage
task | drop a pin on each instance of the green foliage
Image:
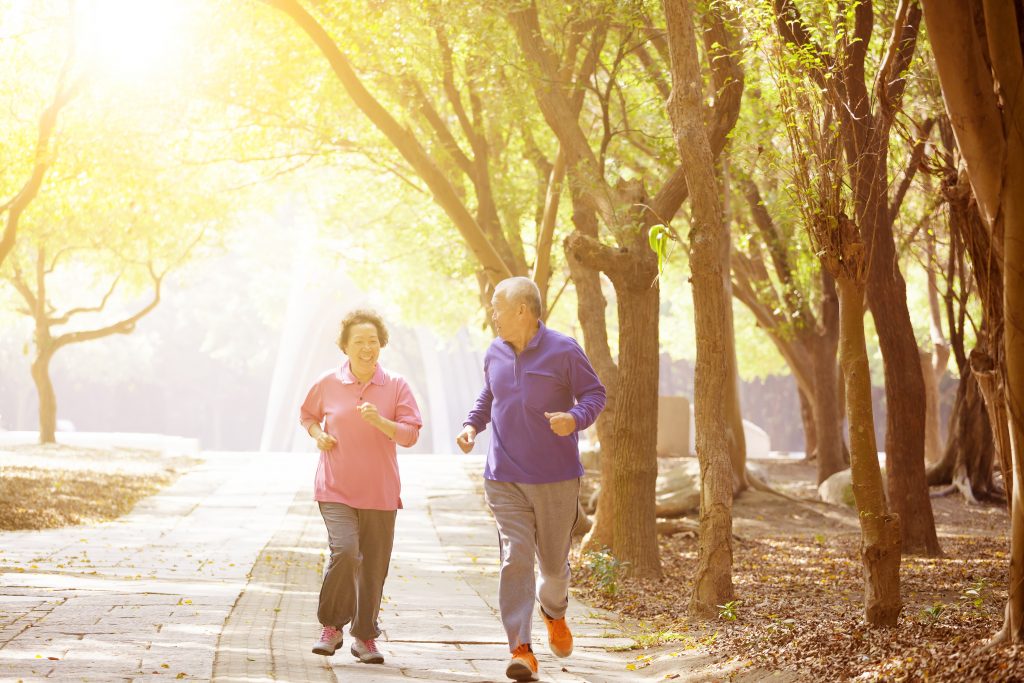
(728, 611)
(658, 237)
(606, 568)
(933, 611)
(976, 593)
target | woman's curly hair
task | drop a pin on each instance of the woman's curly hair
(358, 317)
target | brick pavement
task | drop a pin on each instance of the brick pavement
(216, 578)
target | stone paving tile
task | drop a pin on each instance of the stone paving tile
(218, 576)
(118, 600)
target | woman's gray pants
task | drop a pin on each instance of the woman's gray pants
(360, 542)
(534, 521)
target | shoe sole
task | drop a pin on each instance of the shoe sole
(324, 651)
(561, 654)
(518, 671)
(368, 659)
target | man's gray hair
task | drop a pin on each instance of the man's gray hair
(522, 290)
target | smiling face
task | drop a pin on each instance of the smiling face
(363, 347)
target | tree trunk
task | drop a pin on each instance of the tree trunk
(712, 303)
(986, 371)
(590, 307)
(1013, 335)
(827, 415)
(47, 396)
(979, 53)
(880, 531)
(635, 473)
(737, 436)
(932, 427)
(966, 463)
(810, 431)
(904, 384)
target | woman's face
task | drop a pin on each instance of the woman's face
(363, 346)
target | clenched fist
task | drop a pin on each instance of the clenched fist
(562, 424)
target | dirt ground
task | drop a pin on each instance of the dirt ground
(798, 610)
(45, 487)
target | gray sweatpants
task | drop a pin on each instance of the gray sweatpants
(534, 520)
(360, 542)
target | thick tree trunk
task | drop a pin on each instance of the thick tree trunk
(967, 461)
(635, 472)
(1013, 306)
(712, 303)
(880, 531)
(47, 396)
(979, 53)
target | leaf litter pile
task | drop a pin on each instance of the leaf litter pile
(46, 487)
(798, 602)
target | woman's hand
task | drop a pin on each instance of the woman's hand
(325, 441)
(368, 412)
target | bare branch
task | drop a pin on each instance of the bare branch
(63, 319)
(916, 159)
(124, 326)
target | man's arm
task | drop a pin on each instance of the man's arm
(477, 419)
(586, 389)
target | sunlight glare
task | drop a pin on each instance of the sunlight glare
(130, 38)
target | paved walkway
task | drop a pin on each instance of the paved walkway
(217, 578)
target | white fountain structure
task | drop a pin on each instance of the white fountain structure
(445, 375)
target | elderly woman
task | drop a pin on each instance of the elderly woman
(357, 413)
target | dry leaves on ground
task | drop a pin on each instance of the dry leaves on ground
(798, 608)
(76, 486)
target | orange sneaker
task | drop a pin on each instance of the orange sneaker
(559, 635)
(523, 666)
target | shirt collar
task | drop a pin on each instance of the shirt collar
(534, 340)
(346, 376)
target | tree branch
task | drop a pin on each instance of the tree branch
(403, 140)
(890, 81)
(44, 155)
(448, 142)
(125, 326)
(913, 165)
(63, 319)
(593, 254)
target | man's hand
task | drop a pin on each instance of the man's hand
(368, 412)
(562, 424)
(325, 441)
(466, 439)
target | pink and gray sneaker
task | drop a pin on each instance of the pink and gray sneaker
(366, 651)
(330, 641)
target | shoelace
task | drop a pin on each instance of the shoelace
(328, 633)
(371, 646)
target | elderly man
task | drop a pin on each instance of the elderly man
(539, 392)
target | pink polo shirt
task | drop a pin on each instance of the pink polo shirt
(362, 469)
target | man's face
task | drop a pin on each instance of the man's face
(509, 319)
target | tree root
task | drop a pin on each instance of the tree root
(759, 484)
(1002, 635)
(671, 527)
